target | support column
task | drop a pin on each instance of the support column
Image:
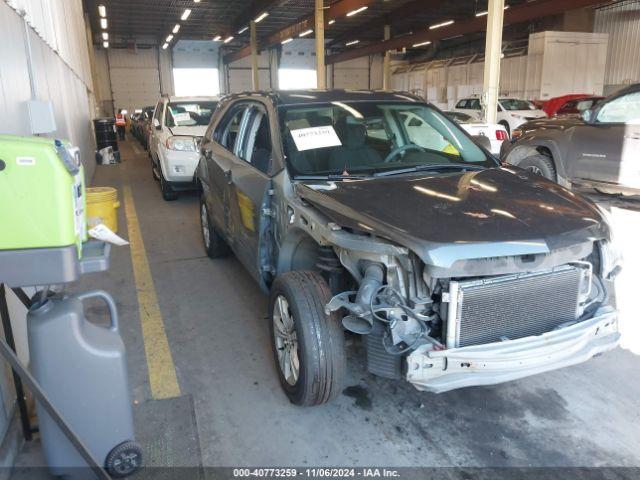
(321, 68)
(493, 55)
(386, 68)
(254, 57)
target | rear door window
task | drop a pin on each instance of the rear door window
(228, 130)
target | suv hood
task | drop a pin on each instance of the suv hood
(558, 123)
(195, 131)
(443, 218)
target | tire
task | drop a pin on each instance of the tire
(506, 127)
(540, 165)
(153, 169)
(168, 193)
(124, 460)
(318, 339)
(214, 244)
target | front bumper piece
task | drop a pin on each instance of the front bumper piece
(443, 370)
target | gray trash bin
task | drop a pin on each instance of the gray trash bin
(82, 369)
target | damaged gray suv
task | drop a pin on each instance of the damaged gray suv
(374, 213)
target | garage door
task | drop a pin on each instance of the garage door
(134, 78)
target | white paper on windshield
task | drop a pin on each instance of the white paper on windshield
(105, 234)
(315, 137)
(182, 117)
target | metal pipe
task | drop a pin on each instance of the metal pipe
(386, 75)
(254, 57)
(493, 54)
(321, 69)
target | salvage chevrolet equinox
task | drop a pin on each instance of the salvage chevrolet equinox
(456, 271)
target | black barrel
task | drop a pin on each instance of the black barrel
(106, 133)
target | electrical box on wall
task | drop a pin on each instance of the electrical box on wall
(41, 116)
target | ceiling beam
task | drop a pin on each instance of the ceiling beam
(335, 11)
(516, 14)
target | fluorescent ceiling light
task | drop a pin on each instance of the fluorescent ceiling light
(105, 44)
(105, 36)
(287, 40)
(442, 24)
(165, 46)
(102, 10)
(331, 22)
(242, 30)
(308, 32)
(196, 1)
(228, 39)
(355, 12)
(103, 23)
(217, 38)
(176, 29)
(186, 14)
(352, 42)
(169, 38)
(261, 17)
(423, 44)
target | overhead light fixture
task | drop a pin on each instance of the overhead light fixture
(217, 38)
(102, 10)
(105, 44)
(355, 12)
(186, 14)
(196, 1)
(287, 40)
(308, 32)
(103, 23)
(331, 22)
(422, 44)
(169, 38)
(242, 30)
(105, 36)
(165, 46)
(228, 39)
(485, 12)
(442, 24)
(176, 29)
(352, 42)
(261, 17)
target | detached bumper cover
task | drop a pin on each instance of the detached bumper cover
(443, 370)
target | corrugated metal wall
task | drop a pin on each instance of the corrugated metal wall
(622, 22)
(61, 74)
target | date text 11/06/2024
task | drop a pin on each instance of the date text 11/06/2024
(316, 472)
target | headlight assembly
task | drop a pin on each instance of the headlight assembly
(182, 144)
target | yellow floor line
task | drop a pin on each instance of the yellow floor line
(162, 373)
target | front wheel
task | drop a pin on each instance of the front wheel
(214, 244)
(168, 194)
(540, 165)
(308, 344)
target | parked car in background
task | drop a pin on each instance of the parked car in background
(512, 112)
(573, 104)
(177, 127)
(139, 126)
(599, 149)
(455, 271)
(495, 133)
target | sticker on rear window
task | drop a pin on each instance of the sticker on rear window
(182, 117)
(315, 137)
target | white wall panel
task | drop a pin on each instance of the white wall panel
(622, 22)
(135, 78)
(53, 79)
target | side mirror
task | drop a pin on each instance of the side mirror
(587, 115)
(156, 123)
(483, 141)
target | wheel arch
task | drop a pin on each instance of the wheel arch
(298, 252)
(549, 149)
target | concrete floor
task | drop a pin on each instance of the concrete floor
(214, 316)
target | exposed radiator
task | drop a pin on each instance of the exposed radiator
(513, 306)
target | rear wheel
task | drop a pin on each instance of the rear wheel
(308, 344)
(214, 244)
(540, 165)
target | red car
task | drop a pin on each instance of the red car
(570, 104)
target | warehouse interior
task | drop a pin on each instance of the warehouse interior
(188, 365)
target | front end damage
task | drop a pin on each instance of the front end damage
(447, 316)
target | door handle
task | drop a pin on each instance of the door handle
(229, 176)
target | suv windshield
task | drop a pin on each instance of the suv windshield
(514, 104)
(190, 114)
(364, 138)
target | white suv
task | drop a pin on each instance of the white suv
(178, 125)
(512, 112)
